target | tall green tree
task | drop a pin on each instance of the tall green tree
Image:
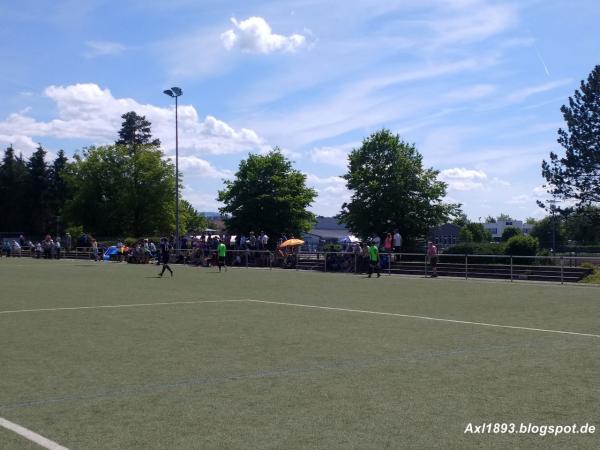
(39, 196)
(13, 182)
(576, 175)
(60, 191)
(118, 193)
(477, 232)
(190, 219)
(391, 189)
(582, 225)
(549, 230)
(136, 130)
(268, 195)
(461, 220)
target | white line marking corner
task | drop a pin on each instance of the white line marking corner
(30, 435)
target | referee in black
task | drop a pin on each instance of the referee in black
(164, 256)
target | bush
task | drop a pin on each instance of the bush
(509, 232)
(521, 246)
(75, 231)
(465, 235)
(332, 248)
(475, 248)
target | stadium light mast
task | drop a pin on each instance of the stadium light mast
(552, 203)
(175, 92)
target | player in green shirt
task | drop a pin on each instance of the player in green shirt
(221, 252)
(373, 259)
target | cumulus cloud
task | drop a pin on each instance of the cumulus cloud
(21, 144)
(331, 156)
(332, 192)
(86, 111)
(461, 179)
(254, 35)
(198, 167)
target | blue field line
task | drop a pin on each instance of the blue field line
(276, 373)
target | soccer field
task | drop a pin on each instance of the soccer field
(107, 356)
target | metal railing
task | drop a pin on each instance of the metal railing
(513, 268)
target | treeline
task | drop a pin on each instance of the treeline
(33, 192)
(123, 189)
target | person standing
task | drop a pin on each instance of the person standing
(221, 253)
(374, 259)
(397, 244)
(164, 256)
(432, 255)
(95, 255)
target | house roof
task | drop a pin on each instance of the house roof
(328, 223)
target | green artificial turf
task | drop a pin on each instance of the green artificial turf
(257, 375)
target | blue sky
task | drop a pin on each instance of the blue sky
(477, 85)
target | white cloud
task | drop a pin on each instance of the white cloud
(202, 201)
(331, 191)
(21, 144)
(103, 48)
(462, 179)
(521, 199)
(254, 35)
(473, 21)
(333, 156)
(523, 94)
(198, 167)
(85, 111)
(540, 192)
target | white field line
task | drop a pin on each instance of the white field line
(30, 435)
(133, 305)
(483, 324)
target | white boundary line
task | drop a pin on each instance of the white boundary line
(330, 308)
(300, 305)
(133, 305)
(30, 435)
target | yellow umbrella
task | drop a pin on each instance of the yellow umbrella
(291, 243)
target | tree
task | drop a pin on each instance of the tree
(510, 232)
(60, 191)
(460, 220)
(465, 235)
(38, 204)
(546, 228)
(521, 246)
(504, 218)
(391, 189)
(576, 176)
(13, 173)
(190, 219)
(135, 130)
(118, 193)
(490, 219)
(531, 221)
(478, 232)
(267, 195)
(583, 225)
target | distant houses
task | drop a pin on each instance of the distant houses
(497, 228)
(327, 229)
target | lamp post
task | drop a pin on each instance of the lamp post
(552, 211)
(175, 92)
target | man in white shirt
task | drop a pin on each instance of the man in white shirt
(397, 244)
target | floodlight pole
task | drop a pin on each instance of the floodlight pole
(177, 244)
(175, 92)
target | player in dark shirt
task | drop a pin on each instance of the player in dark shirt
(164, 256)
